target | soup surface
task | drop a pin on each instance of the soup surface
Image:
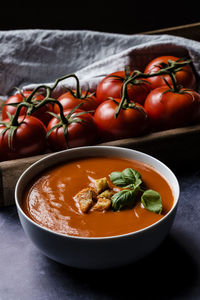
(49, 200)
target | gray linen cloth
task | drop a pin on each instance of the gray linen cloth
(31, 57)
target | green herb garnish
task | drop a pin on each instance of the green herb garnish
(151, 200)
(122, 199)
(131, 181)
(128, 178)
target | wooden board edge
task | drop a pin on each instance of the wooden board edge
(10, 172)
(190, 31)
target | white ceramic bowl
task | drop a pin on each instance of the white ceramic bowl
(103, 252)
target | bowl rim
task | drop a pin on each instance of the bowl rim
(125, 235)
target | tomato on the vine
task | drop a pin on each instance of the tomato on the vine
(184, 74)
(169, 109)
(72, 128)
(42, 114)
(24, 137)
(71, 99)
(131, 120)
(111, 86)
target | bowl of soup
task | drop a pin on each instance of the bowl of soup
(97, 207)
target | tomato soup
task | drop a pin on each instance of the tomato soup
(49, 199)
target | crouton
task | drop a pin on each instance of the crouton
(101, 185)
(106, 194)
(102, 204)
(85, 199)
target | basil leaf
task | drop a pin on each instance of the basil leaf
(152, 201)
(122, 199)
(131, 176)
(127, 178)
(116, 178)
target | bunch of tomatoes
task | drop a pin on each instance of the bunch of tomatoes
(125, 104)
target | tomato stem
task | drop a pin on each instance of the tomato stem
(47, 98)
(124, 97)
(170, 69)
(49, 89)
(78, 89)
(14, 121)
(65, 121)
(174, 87)
(52, 101)
(39, 87)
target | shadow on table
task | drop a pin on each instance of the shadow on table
(167, 272)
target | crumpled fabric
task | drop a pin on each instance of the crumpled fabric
(36, 56)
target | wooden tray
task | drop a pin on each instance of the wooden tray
(176, 146)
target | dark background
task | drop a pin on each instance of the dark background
(121, 16)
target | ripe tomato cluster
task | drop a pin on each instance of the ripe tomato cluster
(164, 93)
(126, 103)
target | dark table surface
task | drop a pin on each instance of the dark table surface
(172, 271)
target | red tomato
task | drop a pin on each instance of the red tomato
(70, 100)
(130, 122)
(184, 76)
(111, 86)
(81, 131)
(29, 139)
(167, 109)
(41, 114)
